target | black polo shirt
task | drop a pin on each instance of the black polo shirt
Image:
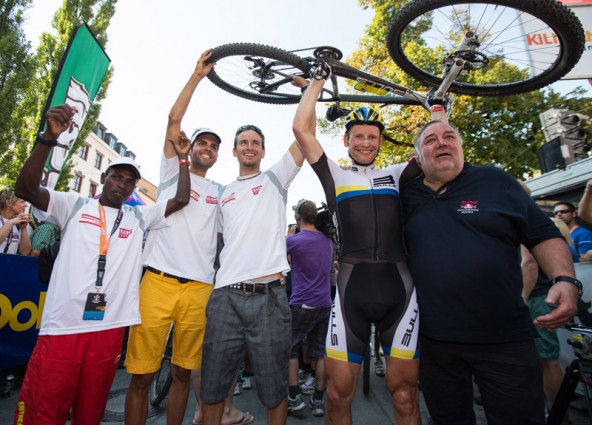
(464, 255)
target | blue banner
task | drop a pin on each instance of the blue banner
(22, 297)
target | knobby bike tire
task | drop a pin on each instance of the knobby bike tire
(570, 42)
(236, 73)
(163, 378)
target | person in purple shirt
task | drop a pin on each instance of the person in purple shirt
(311, 254)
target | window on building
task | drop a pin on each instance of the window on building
(122, 150)
(77, 183)
(112, 142)
(84, 152)
(92, 190)
(98, 161)
(101, 133)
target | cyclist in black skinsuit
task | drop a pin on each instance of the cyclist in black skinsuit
(374, 284)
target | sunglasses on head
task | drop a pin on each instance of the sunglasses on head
(249, 127)
(562, 212)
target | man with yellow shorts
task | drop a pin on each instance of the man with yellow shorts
(179, 276)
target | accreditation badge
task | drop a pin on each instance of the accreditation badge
(95, 306)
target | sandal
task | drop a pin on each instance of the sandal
(246, 419)
(379, 368)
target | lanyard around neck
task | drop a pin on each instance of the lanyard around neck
(104, 245)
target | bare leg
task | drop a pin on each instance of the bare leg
(319, 365)
(552, 377)
(136, 399)
(293, 372)
(342, 378)
(196, 380)
(278, 415)
(177, 402)
(231, 414)
(401, 380)
(212, 413)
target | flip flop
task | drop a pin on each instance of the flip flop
(246, 419)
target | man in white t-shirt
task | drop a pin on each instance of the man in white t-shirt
(180, 272)
(93, 291)
(248, 309)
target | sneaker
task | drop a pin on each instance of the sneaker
(379, 368)
(246, 383)
(237, 389)
(317, 407)
(295, 404)
(302, 376)
(309, 386)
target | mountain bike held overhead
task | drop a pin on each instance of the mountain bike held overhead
(472, 40)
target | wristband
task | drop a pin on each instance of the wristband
(436, 108)
(184, 161)
(44, 141)
(571, 280)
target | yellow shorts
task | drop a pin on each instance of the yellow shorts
(164, 301)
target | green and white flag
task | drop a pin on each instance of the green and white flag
(79, 77)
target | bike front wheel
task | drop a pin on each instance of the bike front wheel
(522, 45)
(258, 72)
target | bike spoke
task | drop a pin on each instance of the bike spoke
(534, 42)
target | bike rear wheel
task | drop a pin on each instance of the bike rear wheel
(163, 378)
(434, 28)
(258, 72)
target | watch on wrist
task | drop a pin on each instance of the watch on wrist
(44, 141)
(571, 280)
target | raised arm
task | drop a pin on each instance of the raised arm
(181, 147)
(585, 209)
(180, 107)
(24, 247)
(27, 186)
(304, 122)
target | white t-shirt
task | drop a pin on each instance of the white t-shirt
(75, 270)
(254, 224)
(14, 236)
(187, 247)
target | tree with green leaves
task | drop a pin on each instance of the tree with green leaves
(97, 14)
(501, 131)
(16, 71)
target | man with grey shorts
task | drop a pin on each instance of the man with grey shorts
(248, 309)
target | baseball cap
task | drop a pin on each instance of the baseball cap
(198, 132)
(125, 160)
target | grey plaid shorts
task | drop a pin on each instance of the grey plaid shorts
(257, 323)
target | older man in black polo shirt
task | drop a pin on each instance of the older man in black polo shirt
(463, 228)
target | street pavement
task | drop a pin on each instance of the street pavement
(371, 409)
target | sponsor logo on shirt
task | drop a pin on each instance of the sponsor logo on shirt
(124, 233)
(468, 207)
(212, 200)
(257, 189)
(194, 195)
(232, 197)
(383, 181)
(90, 219)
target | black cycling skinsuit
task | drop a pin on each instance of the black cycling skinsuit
(374, 283)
